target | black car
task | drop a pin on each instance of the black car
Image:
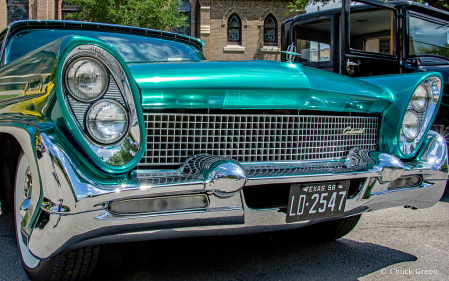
(378, 38)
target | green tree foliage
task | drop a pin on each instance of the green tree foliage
(156, 14)
(124, 155)
(298, 5)
(440, 4)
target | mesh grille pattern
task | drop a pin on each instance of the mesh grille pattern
(173, 138)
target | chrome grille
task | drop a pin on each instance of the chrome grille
(172, 138)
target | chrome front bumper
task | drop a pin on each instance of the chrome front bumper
(74, 211)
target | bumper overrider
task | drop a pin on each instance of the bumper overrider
(205, 196)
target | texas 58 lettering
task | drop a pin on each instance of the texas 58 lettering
(313, 200)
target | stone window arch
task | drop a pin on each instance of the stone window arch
(234, 30)
(270, 31)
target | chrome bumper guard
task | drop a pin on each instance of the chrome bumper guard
(74, 212)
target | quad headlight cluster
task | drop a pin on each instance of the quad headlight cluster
(99, 99)
(100, 103)
(419, 113)
(87, 80)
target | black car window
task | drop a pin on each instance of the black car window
(371, 31)
(313, 41)
(428, 37)
(131, 47)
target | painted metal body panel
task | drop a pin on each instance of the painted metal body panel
(403, 58)
(253, 85)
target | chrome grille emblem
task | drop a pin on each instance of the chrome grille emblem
(349, 131)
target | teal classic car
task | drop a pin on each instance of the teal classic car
(114, 134)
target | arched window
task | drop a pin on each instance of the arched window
(17, 10)
(234, 30)
(270, 31)
(184, 10)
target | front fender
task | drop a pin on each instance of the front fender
(64, 119)
(25, 129)
(401, 88)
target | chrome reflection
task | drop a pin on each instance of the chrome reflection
(389, 167)
(83, 216)
(434, 154)
(47, 205)
(225, 179)
(223, 176)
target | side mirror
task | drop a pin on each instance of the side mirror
(415, 62)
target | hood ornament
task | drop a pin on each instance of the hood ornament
(349, 131)
(291, 53)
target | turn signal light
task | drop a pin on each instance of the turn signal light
(159, 204)
(411, 181)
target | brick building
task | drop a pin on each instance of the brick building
(239, 29)
(230, 29)
(12, 10)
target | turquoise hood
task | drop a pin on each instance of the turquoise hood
(253, 85)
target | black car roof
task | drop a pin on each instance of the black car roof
(412, 5)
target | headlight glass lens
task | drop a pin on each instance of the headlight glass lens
(87, 79)
(107, 121)
(410, 125)
(419, 98)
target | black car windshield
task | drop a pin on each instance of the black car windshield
(132, 48)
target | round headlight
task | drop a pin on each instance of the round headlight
(410, 125)
(419, 98)
(107, 121)
(87, 79)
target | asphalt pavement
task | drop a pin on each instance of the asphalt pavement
(392, 244)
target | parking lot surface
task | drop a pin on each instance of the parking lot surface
(392, 244)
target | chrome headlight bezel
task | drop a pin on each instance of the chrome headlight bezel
(432, 86)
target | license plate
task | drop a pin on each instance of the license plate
(317, 200)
